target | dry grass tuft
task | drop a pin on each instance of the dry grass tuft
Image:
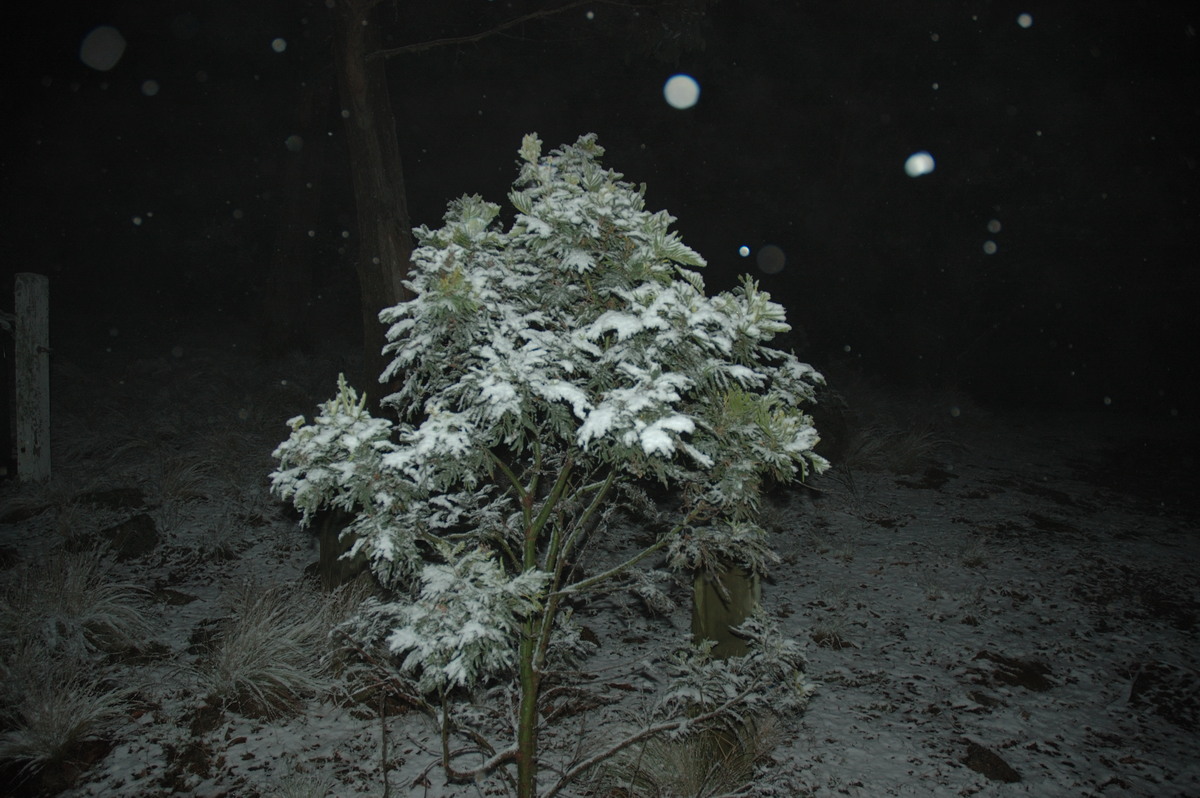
(51, 706)
(705, 764)
(896, 451)
(68, 605)
(274, 649)
(302, 785)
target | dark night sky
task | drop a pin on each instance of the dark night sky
(1079, 135)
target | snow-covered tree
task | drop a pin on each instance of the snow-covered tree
(546, 371)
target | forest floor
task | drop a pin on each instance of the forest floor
(992, 604)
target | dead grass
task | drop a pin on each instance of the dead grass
(274, 650)
(706, 764)
(51, 706)
(69, 605)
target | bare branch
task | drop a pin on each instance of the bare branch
(419, 47)
(645, 733)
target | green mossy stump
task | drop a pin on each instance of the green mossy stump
(721, 603)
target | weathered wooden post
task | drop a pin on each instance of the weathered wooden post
(720, 602)
(31, 353)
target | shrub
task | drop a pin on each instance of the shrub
(546, 372)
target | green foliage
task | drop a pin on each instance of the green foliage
(461, 627)
(542, 371)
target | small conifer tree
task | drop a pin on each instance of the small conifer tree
(545, 372)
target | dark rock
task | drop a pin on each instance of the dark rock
(1018, 672)
(1168, 691)
(989, 764)
(172, 597)
(21, 514)
(204, 719)
(114, 498)
(133, 538)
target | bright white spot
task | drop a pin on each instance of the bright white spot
(1025, 20)
(345, 234)
(102, 48)
(994, 226)
(278, 45)
(294, 143)
(591, 15)
(989, 247)
(744, 251)
(150, 88)
(846, 348)
(771, 259)
(681, 91)
(137, 221)
(919, 163)
(935, 87)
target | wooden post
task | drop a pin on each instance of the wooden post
(722, 603)
(31, 354)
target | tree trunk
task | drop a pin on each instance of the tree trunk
(384, 237)
(286, 317)
(527, 719)
(333, 569)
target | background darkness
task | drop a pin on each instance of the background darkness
(1080, 135)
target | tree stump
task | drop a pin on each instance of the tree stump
(722, 603)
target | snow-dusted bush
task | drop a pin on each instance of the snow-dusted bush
(545, 371)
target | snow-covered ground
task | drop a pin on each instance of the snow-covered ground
(992, 603)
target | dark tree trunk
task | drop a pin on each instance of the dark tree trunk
(286, 318)
(384, 237)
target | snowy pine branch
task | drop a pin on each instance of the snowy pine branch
(537, 367)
